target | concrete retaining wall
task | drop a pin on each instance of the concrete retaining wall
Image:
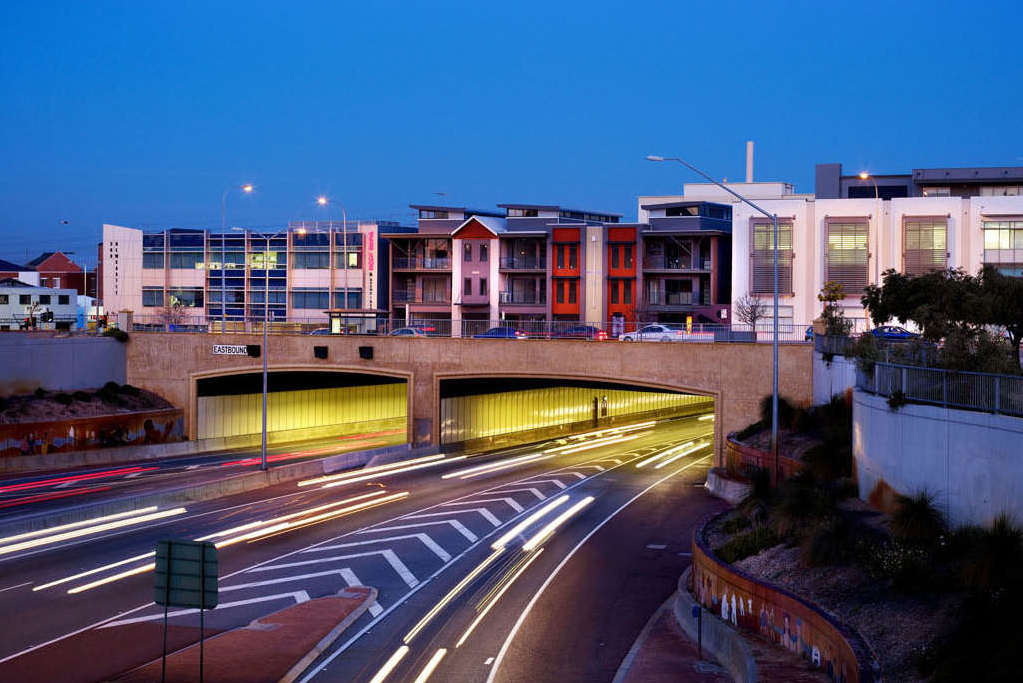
(742, 459)
(831, 378)
(782, 617)
(31, 360)
(971, 462)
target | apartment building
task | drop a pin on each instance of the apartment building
(974, 181)
(24, 304)
(295, 274)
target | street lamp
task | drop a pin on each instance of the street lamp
(774, 342)
(324, 201)
(247, 189)
(863, 175)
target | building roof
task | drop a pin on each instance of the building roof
(554, 207)
(461, 209)
(14, 282)
(10, 267)
(55, 261)
(491, 223)
(674, 205)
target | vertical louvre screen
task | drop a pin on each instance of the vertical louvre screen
(763, 258)
(846, 258)
(924, 246)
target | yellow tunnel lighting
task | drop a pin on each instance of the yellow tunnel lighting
(88, 531)
(552, 526)
(388, 473)
(367, 470)
(389, 665)
(493, 601)
(75, 525)
(500, 543)
(435, 610)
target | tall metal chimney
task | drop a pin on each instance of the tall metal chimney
(749, 161)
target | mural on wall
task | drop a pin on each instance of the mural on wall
(108, 431)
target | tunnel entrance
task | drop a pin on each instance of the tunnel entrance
(301, 405)
(489, 412)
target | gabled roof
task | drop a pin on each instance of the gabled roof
(493, 225)
(13, 282)
(39, 259)
(8, 266)
(460, 209)
(55, 261)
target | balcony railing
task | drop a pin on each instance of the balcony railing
(422, 263)
(525, 298)
(677, 264)
(406, 297)
(523, 263)
(672, 299)
(999, 394)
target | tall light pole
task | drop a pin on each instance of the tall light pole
(324, 201)
(877, 212)
(774, 342)
(247, 189)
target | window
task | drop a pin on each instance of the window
(560, 251)
(152, 296)
(467, 252)
(523, 213)
(483, 253)
(573, 254)
(436, 290)
(1003, 246)
(354, 298)
(63, 299)
(615, 286)
(274, 297)
(1001, 190)
(152, 261)
(559, 290)
(44, 299)
(483, 286)
(311, 260)
(188, 260)
(614, 255)
(924, 246)
(938, 191)
(467, 287)
(4, 299)
(190, 297)
(310, 298)
(845, 260)
(430, 213)
(627, 292)
(573, 286)
(763, 258)
(24, 299)
(627, 257)
(354, 260)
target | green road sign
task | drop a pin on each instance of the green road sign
(186, 574)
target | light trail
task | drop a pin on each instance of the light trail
(73, 478)
(443, 602)
(500, 543)
(53, 495)
(609, 441)
(116, 577)
(431, 665)
(552, 526)
(493, 601)
(389, 665)
(88, 531)
(381, 475)
(666, 452)
(97, 570)
(704, 418)
(494, 466)
(367, 470)
(681, 454)
(75, 525)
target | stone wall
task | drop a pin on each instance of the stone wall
(86, 433)
(783, 618)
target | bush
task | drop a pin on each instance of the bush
(748, 431)
(734, 524)
(993, 559)
(112, 387)
(747, 544)
(786, 412)
(119, 335)
(109, 393)
(130, 390)
(907, 566)
(82, 396)
(917, 521)
(801, 504)
(866, 352)
(829, 461)
(40, 393)
(831, 542)
(897, 400)
(63, 398)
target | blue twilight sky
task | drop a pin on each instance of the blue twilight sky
(140, 113)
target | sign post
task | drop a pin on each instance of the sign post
(185, 576)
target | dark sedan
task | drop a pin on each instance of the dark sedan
(894, 333)
(501, 333)
(582, 332)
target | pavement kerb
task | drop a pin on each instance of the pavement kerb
(301, 665)
(211, 490)
(723, 642)
(630, 657)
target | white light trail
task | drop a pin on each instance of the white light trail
(97, 570)
(381, 475)
(451, 595)
(389, 665)
(524, 524)
(88, 531)
(704, 418)
(681, 454)
(493, 601)
(495, 466)
(551, 526)
(115, 577)
(75, 525)
(609, 441)
(666, 452)
(368, 470)
(431, 665)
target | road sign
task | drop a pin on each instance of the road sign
(230, 350)
(186, 574)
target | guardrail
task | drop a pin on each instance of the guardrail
(998, 394)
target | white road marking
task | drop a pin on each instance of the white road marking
(10, 588)
(597, 467)
(392, 559)
(425, 539)
(535, 492)
(511, 501)
(285, 579)
(297, 596)
(490, 660)
(191, 467)
(487, 515)
(556, 482)
(656, 546)
(352, 580)
(454, 523)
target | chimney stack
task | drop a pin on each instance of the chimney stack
(749, 161)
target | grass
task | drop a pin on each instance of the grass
(746, 544)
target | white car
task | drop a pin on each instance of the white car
(658, 332)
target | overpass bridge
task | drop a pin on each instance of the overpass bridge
(212, 388)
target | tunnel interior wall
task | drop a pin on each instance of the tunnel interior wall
(305, 414)
(486, 417)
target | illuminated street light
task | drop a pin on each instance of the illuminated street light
(247, 188)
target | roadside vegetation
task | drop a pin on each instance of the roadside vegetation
(45, 406)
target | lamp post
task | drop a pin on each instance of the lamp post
(864, 175)
(324, 201)
(247, 189)
(774, 341)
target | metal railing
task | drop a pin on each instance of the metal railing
(522, 298)
(406, 297)
(421, 263)
(676, 263)
(999, 394)
(523, 263)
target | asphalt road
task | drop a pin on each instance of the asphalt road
(416, 536)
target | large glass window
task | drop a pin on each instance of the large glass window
(845, 259)
(483, 253)
(274, 296)
(615, 287)
(1003, 246)
(467, 252)
(354, 260)
(763, 258)
(437, 290)
(573, 288)
(573, 255)
(152, 260)
(1001, 190)
(627, 292)
(311, 260)
(310, 298)
(189, 297)
(186, 260)
(152, 296)
(924, 246)
(354, 298)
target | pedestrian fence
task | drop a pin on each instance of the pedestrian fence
(999, 394)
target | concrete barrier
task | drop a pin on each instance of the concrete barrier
(726, 645)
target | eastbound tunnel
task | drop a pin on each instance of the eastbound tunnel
(503, 411)
(301, 405)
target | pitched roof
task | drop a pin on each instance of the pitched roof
(39, 259)
(14, 282)
(8, 266)
(494, 225)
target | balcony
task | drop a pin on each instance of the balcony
(678, 264)
(677, 299)
(523, 263)
(422, 263)
(523, 298)
(401, 296)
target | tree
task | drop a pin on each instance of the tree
(173, 312)
(835, 322)
(940, 303)
(750, 310)
(1002, 299)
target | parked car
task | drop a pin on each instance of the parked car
(501, 333)
(425, 328)
(320, 331)
(657, 332)
(893, 332)
(582, 332)
(407, 332)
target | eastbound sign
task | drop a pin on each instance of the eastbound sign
(230, 350)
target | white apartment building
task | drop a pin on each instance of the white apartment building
(50, 308)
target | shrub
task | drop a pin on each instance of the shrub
(113, 387)
(119, 335)
(866, 352)
(917, 521)
(801, 504)
(130, 390)
(748, 431)
(750, 543)
(829, 461)
(907, 566)
(82, 396)
(994, 560)
(734, 524)
(40, 393)
(786, 412)
(897, 400)
(63, 398)
(760, 478)
(829, 543)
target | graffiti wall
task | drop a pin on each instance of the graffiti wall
(127, 429)
(781, 617)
